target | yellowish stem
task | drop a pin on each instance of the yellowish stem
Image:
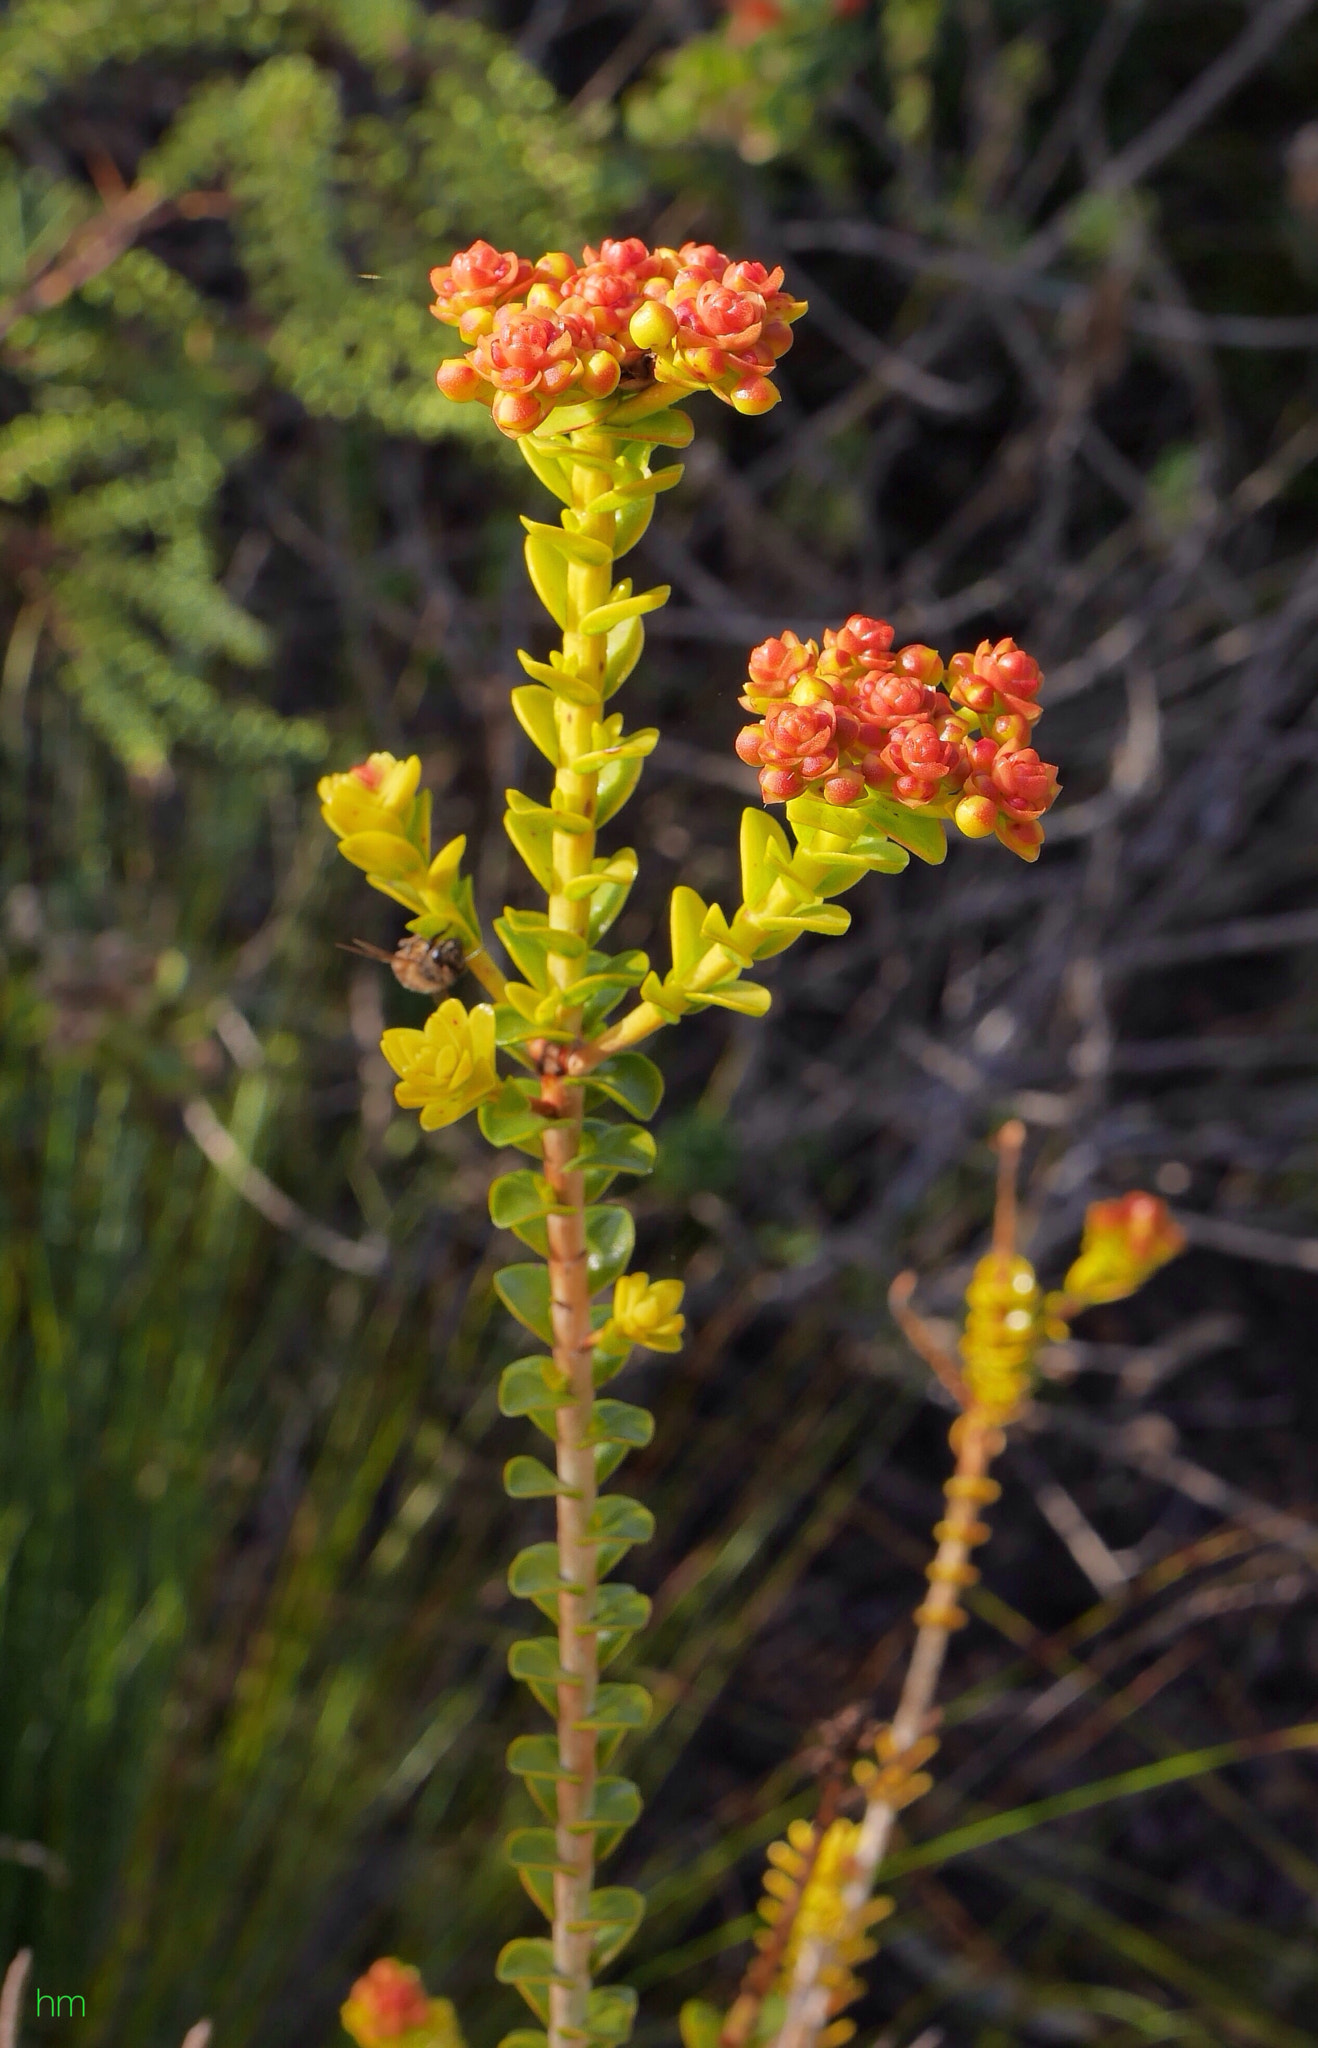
(569, 1288)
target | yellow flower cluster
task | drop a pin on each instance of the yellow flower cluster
(646, 1313)
(448, 1068)
(381, 817)
(820, 1913)
(1004, 1327)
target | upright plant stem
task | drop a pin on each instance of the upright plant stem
(569, 1288)
(976, 1438)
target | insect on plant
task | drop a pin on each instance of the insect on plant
(872, 749)
(425, 967)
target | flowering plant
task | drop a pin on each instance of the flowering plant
(871, 748)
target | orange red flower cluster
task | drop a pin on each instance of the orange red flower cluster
(859, 716)
(556, 332)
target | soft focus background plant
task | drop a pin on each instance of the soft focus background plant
(1061, 263)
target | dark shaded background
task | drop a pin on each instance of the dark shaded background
(1058, 381)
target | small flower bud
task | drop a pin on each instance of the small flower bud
(775, 665)
(923, 664)
(544, 296)
(554, 266)
(600, 374)
(846, 788)
(389, 2004)
(457, 380)
(976, 816)
(516, 412)
(652, 325)
(1021, 836)
(748, 743)
(755, 395)
(777, 784)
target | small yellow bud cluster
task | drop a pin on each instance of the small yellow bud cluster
(645, 1312)
(821, 1913)
(897, 1778)
(1004, 1327)
(448, 1068)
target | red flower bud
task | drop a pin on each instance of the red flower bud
(712, 316)
(868, 640)
(749, 744)
(919, 760)
(457, 380)
(846, 788)
(1024, 784)
(881, 702)
(775, 664)
(754, 395)
(390, 2000)
(777, 784)
(704, 258)
(1009, 668)
(922, 663)
(517, 412)
(630, 256)
(753, 277)
(803, 737)
(478, 276)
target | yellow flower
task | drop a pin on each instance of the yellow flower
(375, 796)
(389, 2004)
(1004, 1326)
(448, 1068)
(647, 1314)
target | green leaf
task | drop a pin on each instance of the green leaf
(625, 644)
(619, 1708)
(535, 1758)
(617, 1519)
(610, 1242)
(632, 1081)
(616, 1427)
(615, 1806)
(603, 617)
(629, 526)
(509, 1118)
(530, 1385)
(638, 489)
(527, 1479)
(670, 428)
(551, 474)
(616, 782)
(614, 1913)
(563, 682)
(516, 1196)
(529, 1964)
(573, 547)
(618, 1607)
(524, 1292)
(611, 2014)
(534, 1662)
(386, 854)
(533, 836)
(636, 746)
(529, 2037)
(533, 706)
(748, 998)
(547, 569)
(922, 836)
(623, 1148)
(534, 1575)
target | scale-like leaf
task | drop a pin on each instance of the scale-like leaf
(574, 547)
(562, 681)
(625, 645)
